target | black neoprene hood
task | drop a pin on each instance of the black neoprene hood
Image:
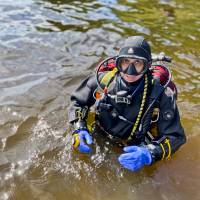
(136, 47)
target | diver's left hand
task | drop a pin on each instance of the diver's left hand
(135, 157)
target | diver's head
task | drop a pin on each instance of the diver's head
(134, 58)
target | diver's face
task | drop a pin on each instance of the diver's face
(131, 62)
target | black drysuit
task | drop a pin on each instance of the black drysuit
(168, 124)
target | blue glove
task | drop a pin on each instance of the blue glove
(80, 140)
(135, 157)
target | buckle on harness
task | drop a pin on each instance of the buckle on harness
(122, 100)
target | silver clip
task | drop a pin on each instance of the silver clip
(122, 100)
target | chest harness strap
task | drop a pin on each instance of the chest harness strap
(141, 108)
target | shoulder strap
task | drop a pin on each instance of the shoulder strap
(108, 77)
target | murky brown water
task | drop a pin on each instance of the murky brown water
(46, 48)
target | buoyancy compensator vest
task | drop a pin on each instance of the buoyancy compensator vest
(106, 72)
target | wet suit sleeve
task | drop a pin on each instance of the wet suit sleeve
(170, 132)
(82, 99)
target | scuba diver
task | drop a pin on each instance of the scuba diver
(135, 106)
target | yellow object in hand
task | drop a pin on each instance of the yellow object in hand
(76, 141)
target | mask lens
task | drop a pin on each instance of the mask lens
(139, 65)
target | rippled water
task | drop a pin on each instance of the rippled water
(46, 48)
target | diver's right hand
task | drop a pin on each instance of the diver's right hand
(81, 140)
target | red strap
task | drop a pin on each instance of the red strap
(108, 66)
(161, 73)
